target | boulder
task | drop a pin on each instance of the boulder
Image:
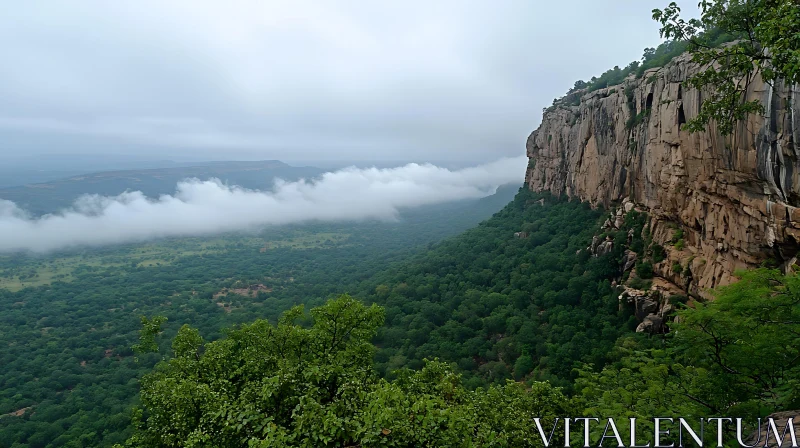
(651, 324)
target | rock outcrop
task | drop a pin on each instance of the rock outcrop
(733, 199)
(654, 307)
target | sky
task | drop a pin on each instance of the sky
(300, 80)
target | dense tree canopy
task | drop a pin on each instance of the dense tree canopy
(289, 385)
(735, 356)
(504, 307)
(460, 344)
(509, 320)
(69, 376)
(314, 385)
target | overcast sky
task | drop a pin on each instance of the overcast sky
(300, 80)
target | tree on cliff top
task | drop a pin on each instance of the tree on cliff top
(768, 43)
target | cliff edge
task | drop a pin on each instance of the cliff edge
(732, 200)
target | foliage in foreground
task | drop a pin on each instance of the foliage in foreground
(314, 385)
(738, 355)
(289, 385)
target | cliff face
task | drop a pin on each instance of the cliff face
(732, 197)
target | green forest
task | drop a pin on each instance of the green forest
(471, 341)
(466, 331)
(69, 376)
(465, 324)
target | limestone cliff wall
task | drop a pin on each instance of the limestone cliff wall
(733, 197)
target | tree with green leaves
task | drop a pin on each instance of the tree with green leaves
(748, 340)
(311, 386)
(151, 328)
(738, 355)
(766, 43)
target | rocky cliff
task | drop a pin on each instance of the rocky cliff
(716, 204)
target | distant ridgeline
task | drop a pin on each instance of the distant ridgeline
(52, 196)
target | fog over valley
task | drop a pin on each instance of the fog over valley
(202, 207)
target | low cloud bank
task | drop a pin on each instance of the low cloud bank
(209, 207)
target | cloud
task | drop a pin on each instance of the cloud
(209, 207)
(301, 79)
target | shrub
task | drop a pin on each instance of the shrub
(638, 283)
(644, 270)
(678, 298)
(688, 269)
(523, 366)
(636, 120)
(658, 253)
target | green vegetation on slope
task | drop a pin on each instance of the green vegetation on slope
(737, 356)
(490, 306)
(308, 386)
(502, 307)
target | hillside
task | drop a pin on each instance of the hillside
(517, 297)
(531, 294)
(638, 288)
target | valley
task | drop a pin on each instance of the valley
(72, 317)
(638, 262)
